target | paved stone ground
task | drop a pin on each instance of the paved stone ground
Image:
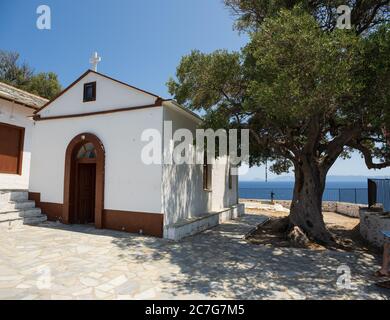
(54, 261)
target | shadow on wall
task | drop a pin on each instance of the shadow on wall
(230, 196)
(184, 194)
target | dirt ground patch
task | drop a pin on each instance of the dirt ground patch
(345, 230)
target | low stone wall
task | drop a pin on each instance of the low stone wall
(372, 223)
(284, 203)
(345, 208)
(193, 226)
(267, 206)
(332, 206)
(349, 209)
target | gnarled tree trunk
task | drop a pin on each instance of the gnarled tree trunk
(306, 206)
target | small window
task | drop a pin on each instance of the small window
(90, 91)
(207, 174)
(87, 151)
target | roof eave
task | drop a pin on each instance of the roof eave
(19, 103)
(187, 111)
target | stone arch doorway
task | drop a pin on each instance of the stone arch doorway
(84, 181)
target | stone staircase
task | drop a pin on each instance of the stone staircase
(16, 209)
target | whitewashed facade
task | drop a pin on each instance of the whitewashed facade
(127, 193)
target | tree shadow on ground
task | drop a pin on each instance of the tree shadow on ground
(218, 263)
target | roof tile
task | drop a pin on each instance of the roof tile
(22, 97)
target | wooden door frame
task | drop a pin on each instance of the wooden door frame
(70, 163)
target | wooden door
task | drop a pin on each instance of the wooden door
(11, 148)
(86, 176)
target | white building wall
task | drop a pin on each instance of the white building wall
(222, 195)
(129, 184)
(182, 187)
(12, 113)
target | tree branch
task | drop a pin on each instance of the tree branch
(368, 156)
(336, 146)
(280, 148)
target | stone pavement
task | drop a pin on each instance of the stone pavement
(54, 261)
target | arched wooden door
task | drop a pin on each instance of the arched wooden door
(84, 181)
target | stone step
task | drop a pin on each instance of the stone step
(35, 220)
(16, 209)
(10, 224)
(13, 195)
(17, 205)
(20, 214)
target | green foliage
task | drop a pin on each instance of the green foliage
(250, 14)
(300, 90)
(366, 15)
(44, 84)
(23, 77)
(11, 72)
(374, 71)
(205, 79)
(297, 70)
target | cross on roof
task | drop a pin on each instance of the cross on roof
(94, 60)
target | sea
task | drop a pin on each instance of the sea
(343, 191)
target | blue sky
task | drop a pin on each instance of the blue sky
(141, 42)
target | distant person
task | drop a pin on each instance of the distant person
(272, 197)
(384, 271)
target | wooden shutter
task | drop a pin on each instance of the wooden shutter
(11, 148)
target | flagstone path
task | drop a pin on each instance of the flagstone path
(55, 261)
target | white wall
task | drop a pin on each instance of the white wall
(175, 190)
(183, 192)
(222, 196)
(21, 119)
(182, 188)
(129, 185)
(109, 95)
